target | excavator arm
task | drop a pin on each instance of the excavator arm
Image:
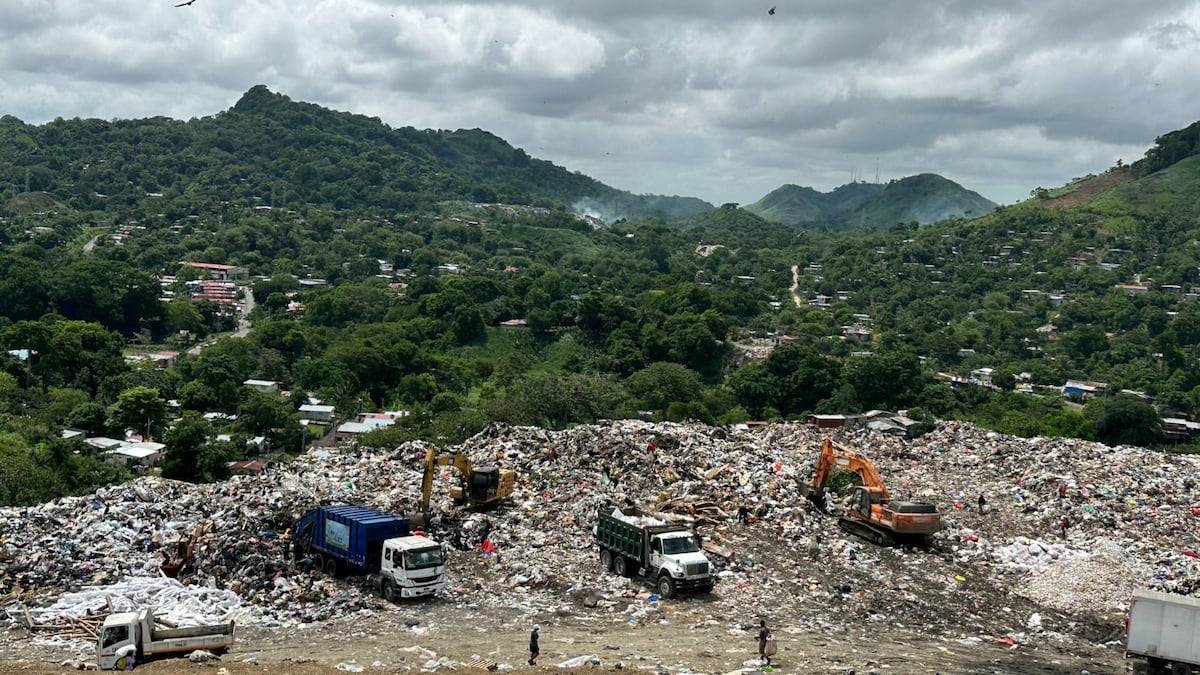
(432, 461)
(835, 455)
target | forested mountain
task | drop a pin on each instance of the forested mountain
(415, 291)
(924, 198)
(272, 149)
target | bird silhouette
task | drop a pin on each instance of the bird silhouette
(184, 4)
(769, 11)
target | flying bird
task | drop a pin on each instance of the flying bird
(184, 4)
(769, 11)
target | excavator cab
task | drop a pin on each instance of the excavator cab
(485, 483)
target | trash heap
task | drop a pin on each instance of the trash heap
(1132, 518)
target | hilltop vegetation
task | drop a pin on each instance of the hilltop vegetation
(385, 281)
(925, 198)
(300, 153)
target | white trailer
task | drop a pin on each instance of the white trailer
(1165, 629)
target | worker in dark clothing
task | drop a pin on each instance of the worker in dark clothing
(743, 514)
(764, 634)
(485, 531)
(1063, 525)
(534, 651)
(982, 502)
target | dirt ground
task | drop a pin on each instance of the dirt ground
(683, 638)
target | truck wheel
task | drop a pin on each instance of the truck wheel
(619, 566)
(666, 587)
(606, 559)
(388, 591)
(1181, 669)
(318, 562)
(331, 566)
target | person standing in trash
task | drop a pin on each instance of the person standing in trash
(1063, 525)
(982, 502)
(814, 547)
(485, 531)
(764, 634)
(743, 514)
(534, 651)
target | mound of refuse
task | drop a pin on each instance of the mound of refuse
(1132, 518)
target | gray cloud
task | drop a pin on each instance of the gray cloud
(698, 97)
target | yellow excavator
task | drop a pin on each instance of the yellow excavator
(479, 485)
(873, 514)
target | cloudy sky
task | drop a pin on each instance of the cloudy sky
(709, 98)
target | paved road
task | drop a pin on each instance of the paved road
(243, 328)
(247, 305)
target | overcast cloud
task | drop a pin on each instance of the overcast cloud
(708, 98)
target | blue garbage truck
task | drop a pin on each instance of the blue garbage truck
(348, 539)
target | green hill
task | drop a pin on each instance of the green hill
(268, 148)
(924, 198)
(1172, 191)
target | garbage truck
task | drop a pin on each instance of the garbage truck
(137, 635)
(352, 539)
(634, 543)
(1162, 628)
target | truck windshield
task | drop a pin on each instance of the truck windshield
(679, 545)
(427, 557)
(114, 635)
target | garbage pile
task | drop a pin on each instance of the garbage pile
(1131, 517)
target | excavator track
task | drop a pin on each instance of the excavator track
(865, 530)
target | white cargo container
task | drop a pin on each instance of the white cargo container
(1164, 628)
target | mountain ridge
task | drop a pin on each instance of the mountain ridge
(923, 198)
(268, 144)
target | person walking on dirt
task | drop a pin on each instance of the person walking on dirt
(764, 634)
(533, 645)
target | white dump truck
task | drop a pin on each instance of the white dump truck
(1162, 627)
(634, 543)
(137, 634)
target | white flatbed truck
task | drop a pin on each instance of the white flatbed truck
(137, 633)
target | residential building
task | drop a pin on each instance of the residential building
(220, 272)
(265, 386)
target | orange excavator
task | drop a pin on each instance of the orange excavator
(873, 515)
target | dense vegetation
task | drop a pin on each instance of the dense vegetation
(418, 271)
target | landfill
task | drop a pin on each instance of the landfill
(1008, 571)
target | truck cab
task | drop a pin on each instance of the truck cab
(412, 567)
(678, 555)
